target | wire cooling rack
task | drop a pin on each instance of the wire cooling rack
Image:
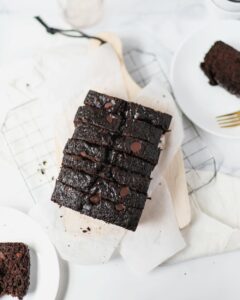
(32, 145)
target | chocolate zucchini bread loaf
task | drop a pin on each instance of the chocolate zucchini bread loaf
(14, 269)
(107, 163)
(222, 66)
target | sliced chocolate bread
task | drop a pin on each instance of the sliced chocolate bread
(107, 163)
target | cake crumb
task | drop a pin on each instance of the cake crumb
(84, 231)
(88, 228)
(44, 162)
(42, 171)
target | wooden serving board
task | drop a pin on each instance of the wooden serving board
(176, 180)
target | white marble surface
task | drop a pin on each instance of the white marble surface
(158, 26)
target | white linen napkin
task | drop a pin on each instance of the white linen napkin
(215, 226)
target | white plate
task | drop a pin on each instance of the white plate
(200, 101)
(44, 279)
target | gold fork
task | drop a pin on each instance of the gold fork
(229, 120)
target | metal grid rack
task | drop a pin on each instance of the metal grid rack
(32, 145)
(143, 66)
(197, 158)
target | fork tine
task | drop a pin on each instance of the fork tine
(230, 120)
(229, 125)
(236, 113)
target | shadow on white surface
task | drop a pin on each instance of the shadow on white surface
(33, 271)
(64, 278)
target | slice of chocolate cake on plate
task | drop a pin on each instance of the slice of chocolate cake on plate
(14, 269)
(222, 67)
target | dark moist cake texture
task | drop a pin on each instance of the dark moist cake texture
(222, 67)
(97, 117)
(135, 181)
(86, 150)
(14, 269)
(92, 134)
(108, 161)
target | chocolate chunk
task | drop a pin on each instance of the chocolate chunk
(95, 199)
(136, 147)
(120, 207)
(108, 105)
(110, 119)
(124, 191)
(18, 255)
